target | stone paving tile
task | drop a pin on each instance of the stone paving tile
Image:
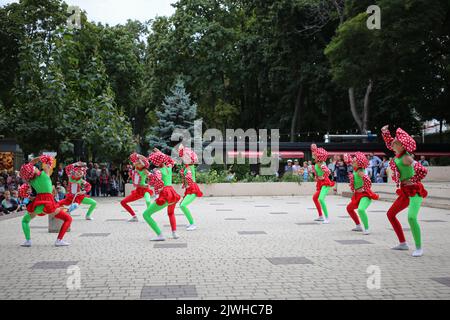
(433, 221)
(169, 292)
(353, 242)
(445, 281)
(93, 234)
(178, 225)
(114, 220)
(235, 219)
(289, 260)
(278, 212)
(251, 232)
(53, 264)
(221, 263)
(170, 245)
(224, 210)
(307, 223)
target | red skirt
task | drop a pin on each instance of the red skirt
(412, 190)
(324, 183)
(68, 200)
(45, 199)
(167, 194)
(193, 189)
(141, 191)
(357, 196)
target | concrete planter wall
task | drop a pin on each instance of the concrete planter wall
(249, 189)
(436, 174)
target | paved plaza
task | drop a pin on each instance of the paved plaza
(245, 248)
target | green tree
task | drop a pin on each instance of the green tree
(178, 112)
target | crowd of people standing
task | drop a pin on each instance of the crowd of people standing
(107, 180)
(339, 170)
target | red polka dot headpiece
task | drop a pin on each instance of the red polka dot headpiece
(159, 159)
(24, 191)
(321, 154)
(361, 160)
(406, 140)
(27, 172)
(78, 170)
(187, 153)
(48, 160)
(137, 158)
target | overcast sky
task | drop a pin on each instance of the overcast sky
(118, 11)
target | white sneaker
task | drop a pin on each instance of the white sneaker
(191, 227)
(418, 253)
(158, 238)
(26, 244)
(133, 219)
(366, 232)
(401, 247)
(319, 219)
(174, 235)
(326, 221)
(61, 243)
(358, 228)
(89, 218)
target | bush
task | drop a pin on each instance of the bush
(291, 178)
(212, 176)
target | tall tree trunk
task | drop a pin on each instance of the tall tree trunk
(340, 12)
(351, 97)
(366, 109)
(361, 120)
(297, 109)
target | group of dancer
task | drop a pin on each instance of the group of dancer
(38, 188)
(406, 172)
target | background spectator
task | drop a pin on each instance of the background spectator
(114, 186)
(60, 190)
(92, 178)
(332, 168)
(424, 161)
(374, 166)
(288, 168)
(384, 169)
(341, 171)
(104, 182)
(306, 171)
(296, 167)
(8, 203)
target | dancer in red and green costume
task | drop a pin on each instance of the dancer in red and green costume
(161, 180)
(78, 189)
(407, 174)
(139, 177)
(323, 182)
(360, 185)
(44, 202)
(189, 158)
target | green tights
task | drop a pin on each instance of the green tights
(413, 211)
(319, 200)
(92, 203)
(184, 206)
(26, 225)
(151, 209)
